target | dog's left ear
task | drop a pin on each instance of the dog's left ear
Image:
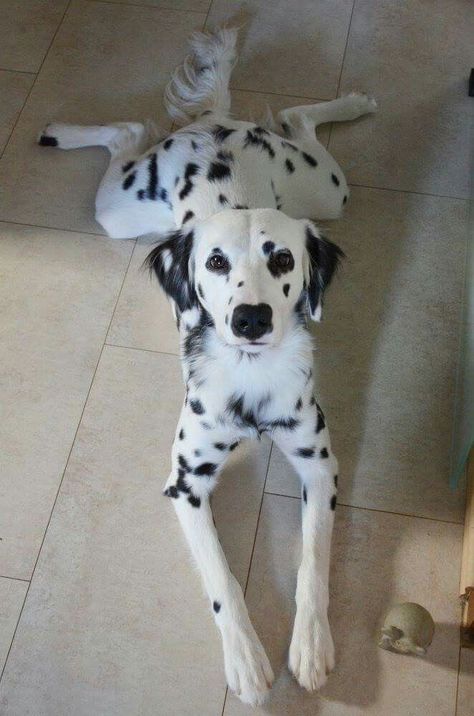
(324, 258)
(171, 262)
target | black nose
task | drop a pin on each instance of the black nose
(252, 321)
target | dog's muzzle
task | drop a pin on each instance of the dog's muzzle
(252, 322)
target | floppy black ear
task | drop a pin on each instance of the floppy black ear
(324, 258)
(170, 261)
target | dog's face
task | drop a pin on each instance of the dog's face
(250, 270)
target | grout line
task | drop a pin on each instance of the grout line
(280, 94)
(35, 80)
(18, 72)
(148, 5)
(64, 471)
(409, 191)
(207, 15)
(146, 350)
(16, 579)
(342, 67)
(56, 228)
(374, 509)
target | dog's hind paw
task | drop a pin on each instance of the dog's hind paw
(46, 138)
(362, 102)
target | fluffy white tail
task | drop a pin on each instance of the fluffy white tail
(201, 83)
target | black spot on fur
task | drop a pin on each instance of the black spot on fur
(152, 177)
(321, 423)
(299, 404)
(286, 129)
(188, 215)
(45, 141)
(344, 201)
(223, 199)
(197, 453)
(323, 453)
(201, 292)
(218, 171)
(304, 452)
(221, 133)
(255, 139)
(206, 468)
(126, 167)
(305, 495)
(225, 156)
(333, 502)
(206, 426)
(260, 130)
(194, 501)
(226, 319)
(290, 167)
(216, 606)
(220, 446)
(194, 145)
(141, 194)
(309, 159)
(286, 289)
(240, 284)
(171, 491)
(324, 258)
(167, 144)
(128, 181)
(268, 247)
(233, 446)
(196, 406)
(230, 300)
(335, 480)
(181, 434)
(184, 464)
(190, 171)
(335, 180)
(235, 407)
(312, 400)
(283, 423)
(240, 206)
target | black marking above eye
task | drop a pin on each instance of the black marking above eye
(268, 247)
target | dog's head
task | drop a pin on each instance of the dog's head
(250, 270)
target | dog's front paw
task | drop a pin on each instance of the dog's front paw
(362, 102)
(247, 668)
(311, 655)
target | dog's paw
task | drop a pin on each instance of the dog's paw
(47, 137)
(247, 668)
(363, 104)
(311, 656)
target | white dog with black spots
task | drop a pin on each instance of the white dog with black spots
(245, 268)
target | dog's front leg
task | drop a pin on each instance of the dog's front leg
(308, 448)
(192, 479)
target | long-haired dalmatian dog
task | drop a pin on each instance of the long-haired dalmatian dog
(244, 267)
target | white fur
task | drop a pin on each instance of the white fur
(237, 388)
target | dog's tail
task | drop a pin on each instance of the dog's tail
(201, 83)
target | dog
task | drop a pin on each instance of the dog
(245, 268)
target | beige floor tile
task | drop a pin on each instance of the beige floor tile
(417, 68)
(12, 596)
(26, 31)
(378, 560)
(108, 63)
(57, 295)
(116, 621)
(189, 5)
(288, 49)
(143, 318)
(14, 88)
(387, 353)
(466, 683)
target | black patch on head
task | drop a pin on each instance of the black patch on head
(321, 423)
(190, 171)
(309, 159)
(323, 453)
(218, 171)
(126, 167)
(152, 177)
(305, 495)
(221, 133)
(194, 501)
(128, 181)
(167, 144)
(286, 289)
(299, 404)
(220, 446)
(332, 504)
(304, 452)
(170, 262)
(223, 199)
(45, 141)
(324, 258)
(196, 406)
(188, 215)
(255, 139)
(206, 468)
(268, 247)
(335, 180)
(216, 606)
(344, 201)
(233, 446)
(181, 434)
(201, 292)
(289, 166)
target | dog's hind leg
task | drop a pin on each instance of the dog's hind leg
(121, 138)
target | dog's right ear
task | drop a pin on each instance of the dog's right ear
(171, 262)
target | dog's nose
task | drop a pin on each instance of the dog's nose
(252, 321)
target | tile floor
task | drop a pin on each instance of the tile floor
(101, 612)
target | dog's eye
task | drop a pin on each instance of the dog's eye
(283, 259)
(217, 262)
